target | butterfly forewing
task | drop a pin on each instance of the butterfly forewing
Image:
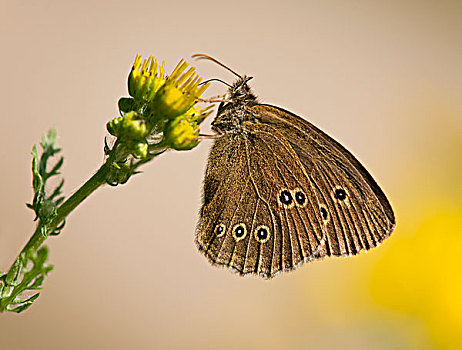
(357, 214)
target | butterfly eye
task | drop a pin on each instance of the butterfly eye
(262, 234)
(300, 198)
(285, 198)
(239, 232)
(220, 230)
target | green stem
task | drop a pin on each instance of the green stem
(106, 172)
(63, 211)
(68, 206)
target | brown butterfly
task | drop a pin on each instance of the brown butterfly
(279, 192)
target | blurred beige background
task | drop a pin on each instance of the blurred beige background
(385, 79)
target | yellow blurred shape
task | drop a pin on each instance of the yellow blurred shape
(422, 275)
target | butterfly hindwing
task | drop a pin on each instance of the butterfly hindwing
(260, 234)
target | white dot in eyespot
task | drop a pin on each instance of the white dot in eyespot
(220, 230)
(239, 231)
(285, 198)
(300, 197)
(262, 234)
(340, 195)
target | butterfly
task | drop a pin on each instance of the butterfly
(279, 192)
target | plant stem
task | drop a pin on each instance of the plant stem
(37, 239)
(68, 206)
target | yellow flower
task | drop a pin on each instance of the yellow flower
(160, 106)
(179, 92)
(145, 78)
(198, 115)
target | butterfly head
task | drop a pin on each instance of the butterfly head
(240, 91)
(232, 112)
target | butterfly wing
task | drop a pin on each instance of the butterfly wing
(355, 211)
(260, 213)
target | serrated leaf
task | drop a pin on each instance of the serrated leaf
(42, 256)
(57, 191)
(31, 280)
(20, 277)
(37, 181)
(52, 136)
(37, 282)
(25, 304)
(47, 269)
(6, 292)
(58, 165)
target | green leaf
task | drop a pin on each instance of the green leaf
(38, 282)
(55, 169)
(43, 206)
(37, 181)
(14, 275)
(42, 256)
(20, 277)
(127, 104)
(57, 190)
(25, 304)
(29, 280)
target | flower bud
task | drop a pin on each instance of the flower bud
(128, 127)
(180, 134)
(140, 150)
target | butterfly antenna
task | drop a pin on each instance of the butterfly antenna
(203, 56)
(216, 79)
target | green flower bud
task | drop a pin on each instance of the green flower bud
(120, 174)
(128, 127)
(140, 150)
(113, 126)
(48, 209)
(180, 134)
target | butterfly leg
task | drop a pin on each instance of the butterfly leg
(210, 137)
